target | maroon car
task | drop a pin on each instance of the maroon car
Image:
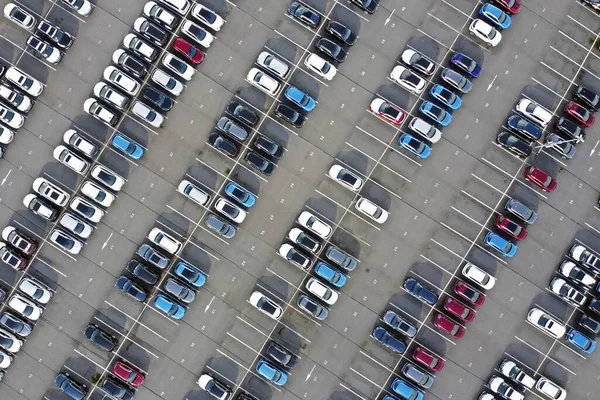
(127, 373)
(387, 111)
(580, 113)
(471, 295)
(190, 52)
(511, 228)
(510, 6)
(540, 179)
(456, 308)
(427, 359)
(447, 325)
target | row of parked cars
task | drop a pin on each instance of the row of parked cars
(495, 18)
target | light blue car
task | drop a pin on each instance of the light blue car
(435, 113)
(299, 98)
(190, 274)
(330, 274)
(501, 245)
(418, 147)
(127, 146)
(406, 390)
(495, 15)
(271, 372)
(239, 194)
(581, 341)
(445, 96)
(169, 306)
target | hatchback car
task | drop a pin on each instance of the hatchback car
(36, 290)
(342, 32)
(16, 99)
(19, 16)
(193, 192)
(97, 193)
(66, 241)
(332, 50)
(178, 66)
(587, 97)
(381, 335)
(289, 115)
(314, 224)
(585, 257)
(387, 111)
(498, 385)
(12, 258)
(157, 99)
(223, 144)
(169, 306)
(567, 292)
(511, 228)
(128, 373)
(550, 389)
(570, 129)
(319, 66)
(509, 369)
(19, 240)
(581, 341)
(213, 387)
(540, 179)
(425, 129)
(564, 148)
(445, 96)
(197, 34)
(6, 136)
(219, 226)
(495, 15)
(190, 274)
(242, 113)
(77, 141)
(418, 62)
(406, 391)
(86, 209)
(11, 118)
(466, 64)
(330, 274)
(457, 309)
(121, 80)
(417, 147)
(273, 64)
(167, 82)
(546, 323)
(534, 112)
(25, 307)
(371, 210)
(241, 195)
(524, 127)
(468, 293)
(478, 276)
(45, 50)
(24, 82)
(127, 146)
(304, 14)
(40, 207)
(485, 32)
(369, 6)
(282, 355)
(81, 7)
(428, 359)
(271, 373)
(345, 177)
(116, 389)
(294, 256)
(580, 113)
(147, 114)
(131, 289)
(165, 241)
(408, 79)
(100, 337)
(208, 17)
(419, 291)
(435, 113)
(456, 80)
(230, 210)
(189, 51)
(341, 258)
(16, 325)
(161, 15)
(179, 291)
(421, 378)
(572, 271)
(300, 99)
(510, 6)
(590, 324)
(307, 242)
(69, 387)
(76, 225)
(152, 256)
(321, 291)
(400, 324)
(265, 305)
(263, 82)
(141, 272)
(520, 211)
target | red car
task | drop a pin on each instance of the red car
(447, 325)
(427, 359)
(190, 52)
(510, 6)
(127, 373)
(468, 293)
(541, 179)
(454, 307)
(387, 111)
(510, 227)
(580, 113)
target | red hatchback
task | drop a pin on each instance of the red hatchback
(510, 6)
(580, 113)
(447, 325)
(190, 52)
(511, 228)
(128, 373)
(541, 179)
(468, 293)
(387, 111)
(454, 307)
(427, 359)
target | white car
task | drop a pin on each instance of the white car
(9, 341)
(45, 50)
(6, 135)
(164, 241)
(546, 322)
(147, 114)
(39, 207)
(82, 7)
(345, 177)
(425, 129)
(193, 192)
(319, 66)
(550, 389)
(265, 305)
(181, 6)
(478, 276)
(25, 82)
(371, 210)
(305, 241)
(107, 177)
(498, 385)
(570, 270)
(122, 80)
(16, 99)
(314, 224)
(534, 112)
(510, 370)
(140, 47)
(100, 112)
(5, 359)
(19, 16)
(418, 61)
(97, 193)
(215, 388)
(485, 32)
(167, 82)
(291, 254)
(50, 191)
(25, 307)
(197, 34)
(86, 209)
(70, 159)
(178, 66)
(408, 79)
(322, 291)
(273, 64)
(76, 225)
(110, 95)
(11, 118)
(263, 82)
(567, 292)
(158, 13)
(66, 241)
(230, 210)
(75, 140)
(208, 17)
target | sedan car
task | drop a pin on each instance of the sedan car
(478, 276)
(81, 7)
(241, 195)
(141, 272)
(521, 211)
(402, 325)
(75, 225)
(271, 373)
(86, 209)
(585, 257)
(408, 79)
(510, 6)
(341, 258)
(190, 52)
(428, 359)
(577, 274)
(425, 129)
(319, 66)
(304, 14)
(242, 113)
(45, 50)
(130, 64)
(97, 193)
(456, 308)
(369, 6)
(152, 256)
(447, 325)
(498, 385)
(167, 82)
(546, 322)
(40, 207)
(282, 355)
(190, 274)
(289, 115)
(265, 305)
(179, 291)
(419, 291)
(417, 147)
(580, 113)
(509, 369)
(567, 292)
(321, 291)
(165, 241)
(300, 99)
(131, 289)
(342, 32)
(495, 15)
(19, 240)
(371, 210)
(501, 245)
(99, 111)
(128, 373)
(445, 96)
(208, 17)
(314, 224)
(25, 307)
(381, 335)
(571, 129)
(193, 192)
(16, 325)
(418, 62)
(466, 64)
(540, 179)
(511, 228)
(294, 256)
(534, 112)
(147, 114)
(24, 82)
(345, 177)
(213, 387)
(587, 97)
(421, 378)
(260, 163)
(161, 15)
(66, 242)
(140, 47)
(11, 258)
(151, 31)
(197, 34)
(332, 50)
(485, 32)
(36, 290)
(127, 146)
(178, 66)
(590, 324)
(69, 387)
(581, 341)
(219, 226)
(387, 111)
(550, 389)
(100, 337)
(468, 293)
(456, 80)
(564, 148)
(263, 81)
(19, 16)
(330, 274)
(435, 113)
(169, 306)
(305, 241)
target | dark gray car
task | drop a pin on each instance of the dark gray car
(152, 256)
(221, 227)
(521, 211)
(179, 291)
(15, 325)
(421, 378)
(341, 258)
(229, 126)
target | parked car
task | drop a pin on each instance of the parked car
(16, 325)
(157, 99)
(294, 256)
(131, 289)
(282, 355)
(197, 34)
(230, 210)
(419, 291)
(45, 50)
(178, 66)
(567, 292)
(387, 111)
(577, 274)
(428, 359)
(66, 242)
(81, 7)
(585, 257)
(190, 274)
(6, 136)
(77, 141)
(421, 378)
(345, 177)
(468, 293)
(581, 341)
(321, 291)
(129, 63)
(303, 240)
(289, 115)
(208, 17)
(19, 16)
(17, 100)
(169, 306)
(271, 373)
(314, 224)
(161, 15)
(75, 225)
(534, 112)
(418, 62)
(498, 385)
(242, 113)
(417, 147)
(425, 129)
(69, 387)
(406, 391)
(273, 64)
(24, 82)
(86, 209)
(241, 195)
(25, 307)
(435, 113)
(590, 324)
(558, 144)
(342, 32)
(408, 79)
(466, 64)
(147, 114)
(510, 6)
(580, 113)
(332, 50)
(388, 340)
(304, 14)
(121, 80)
(514, 144)
(213, 387)
(550, 389)
(546, 323)
(330, 274)
(190, 52)
(128, 373)
(478, 276)
(495, 15)
(447, 325)
(12, 258)
(524, 127)
(541, 179)
(116, 389)
(151, 31)
(509, 369)
(127, 146)
(167, 82)
(229, 126)
(140, 47)
(36, 290)
(179, 291)
(223, 144)
(456, 80)
(371, 210)
(400, 324)
(588, 98)
(457, 309)
(19, 240)
(193, 192)
(571, 129)
(97, 193)
(445, 96)
(141, 272)
(341, 258)
(485, 32)
(220, 226)
(369, 6)
(100, 337)
(511, 228)
(39, 207)
(265, 305)
(319, 66)
(300, 99)
(520, 211)
(152, 256)
(165, 241)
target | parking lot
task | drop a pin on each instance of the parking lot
(440, 207)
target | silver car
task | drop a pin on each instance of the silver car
(147, 114)
(76, 225)
(273, 64)
(110, 95)
(179, 291)
(167, 82)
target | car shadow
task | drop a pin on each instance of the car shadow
(355, 160)
(395, 94)
(424, 45)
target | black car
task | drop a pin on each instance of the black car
(223, 144)
(142, 272)
(116, 389)
(62, 39)
(289, 115)
(157, 99)
(342, 32)
(242, 113)
(151, 31)
(422, 293)
(304, 14)
(15, 324)
(152, 256)
(594, 306)
(588, 97)
(129, 287)
(259, 162)
(282, 355)
(571, 129)
(369, 6)
(589, 324)
(524, 127)
(100, 338)
(388, 340)
(305, 241)
(514, 143)
(332, 50)
(227, 125)
(269, 147)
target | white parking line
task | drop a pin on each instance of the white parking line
(378, 163)
(352, 391)
(347, 208)
(137, 321)
(544, 354)
(388, 146)
(477, 200)
(364, 176)
(248, 369)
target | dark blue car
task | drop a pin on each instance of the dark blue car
(239, 194)
(304, 14)
(69, 387)
(128, 287)
(466, 64)
(524, 127)
(422, 293)
(388, 340)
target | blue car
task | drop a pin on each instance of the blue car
(299, 98)
(495, 15)
(466, 64)
(422, 293)
(271, 372)
(169, 306)
(239, 194)
(127, 146)
(418, 147)
(128, 287)
(406, 390)
(501, 245)
(388, 340)
(581, 341)
(445, 96)
(190, 274)
(435, 113)
(330, 274)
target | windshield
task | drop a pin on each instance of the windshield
(208, 16)
(107, 178)
(242, 196)
(326, 67)
(492, 33)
